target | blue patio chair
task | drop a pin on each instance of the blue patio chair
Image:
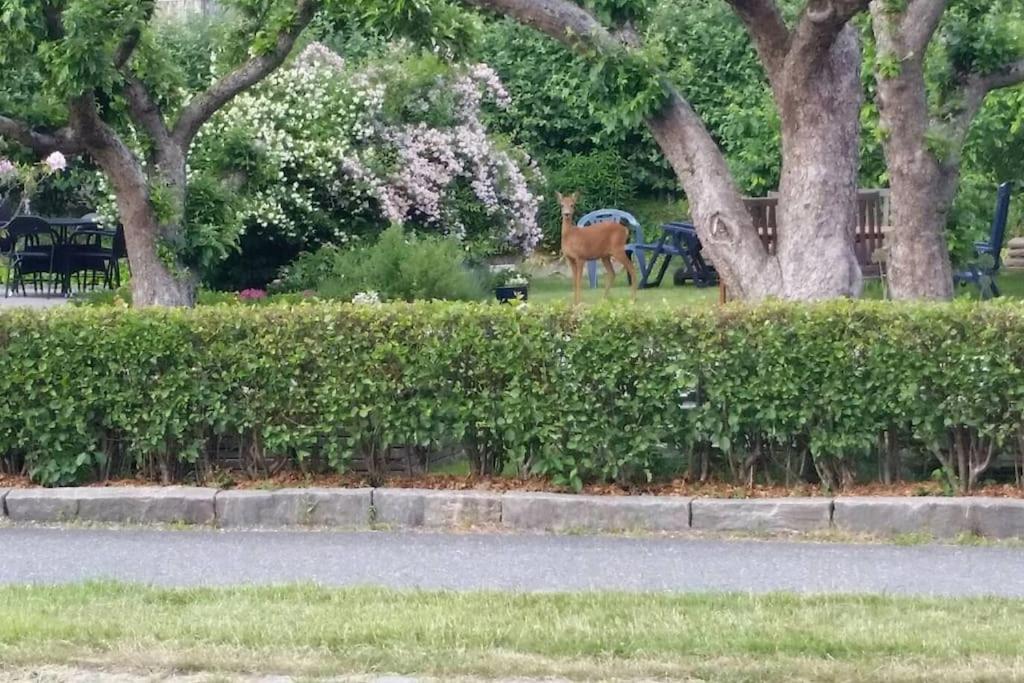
(628, 220)
(982, 273)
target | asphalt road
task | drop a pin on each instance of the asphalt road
(501, 561)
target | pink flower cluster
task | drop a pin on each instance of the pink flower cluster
(430, 160)
(252, 294)
(56, 162)
(6, 167)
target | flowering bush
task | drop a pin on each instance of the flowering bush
(26, 177)
(325, 151)
(366, 298)
(252, 294)
(509, 276)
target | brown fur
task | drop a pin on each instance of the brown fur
(600, 241)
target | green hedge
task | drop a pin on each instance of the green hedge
(836, 391)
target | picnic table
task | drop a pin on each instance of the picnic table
(678, 239)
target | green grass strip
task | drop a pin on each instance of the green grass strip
(311, 631)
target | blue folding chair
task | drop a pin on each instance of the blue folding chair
(982, 274)
(628, 220)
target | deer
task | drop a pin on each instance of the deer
(605, 241)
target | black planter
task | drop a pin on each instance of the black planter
(506, 294)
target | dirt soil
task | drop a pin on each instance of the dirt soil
(678, 487)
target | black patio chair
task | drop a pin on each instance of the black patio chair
(30, 246)
(982, 272)
(97, 252)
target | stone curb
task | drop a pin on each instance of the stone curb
(939, 517)
(762, 514)
(436, 509)
(294, 507)
(559, 512)
(124, 505)
(996, 518)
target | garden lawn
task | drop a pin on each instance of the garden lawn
(559, 288)
(309, 631)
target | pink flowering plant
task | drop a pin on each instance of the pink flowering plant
(26, 177)
(252, 294)
(333, 151)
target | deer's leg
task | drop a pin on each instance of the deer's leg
(610, 280)
(577, 276)
(623, 258)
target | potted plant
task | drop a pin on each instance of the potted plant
(510, 284)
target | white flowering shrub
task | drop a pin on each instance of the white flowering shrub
(370, 298)
(323, 152)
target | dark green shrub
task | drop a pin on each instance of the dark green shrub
(601, 395)
(400, 266)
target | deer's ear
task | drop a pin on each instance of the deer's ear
(559, 195)
(575, 196)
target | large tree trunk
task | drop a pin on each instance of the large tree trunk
(158, 279)
(724, 224)
(921, 197)
(820, 109)
(921, 189)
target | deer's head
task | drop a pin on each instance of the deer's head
(568, 204)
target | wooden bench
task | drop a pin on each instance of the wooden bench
(872, 218)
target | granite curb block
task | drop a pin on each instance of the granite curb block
(436, 509)
(762, 514)
(126, 505)
(559, 512)
(939, 517)
(997, 518)
(294, 507)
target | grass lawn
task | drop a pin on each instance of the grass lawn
(559, 288)
(311, 631)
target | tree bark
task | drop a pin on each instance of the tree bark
(923, 185)
(820, 109)
(158, 279)
(921, 191)
(723, 222)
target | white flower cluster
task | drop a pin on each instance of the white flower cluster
(370, 298)
(326, 145)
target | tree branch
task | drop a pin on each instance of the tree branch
(62, 140)
(131, 39)
(818, 27)
(919, 24)
(974, 88)
(562, 20)
(1006, 77)
(144, 111)
(205, 105)
(124, 51)
(768, 30)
